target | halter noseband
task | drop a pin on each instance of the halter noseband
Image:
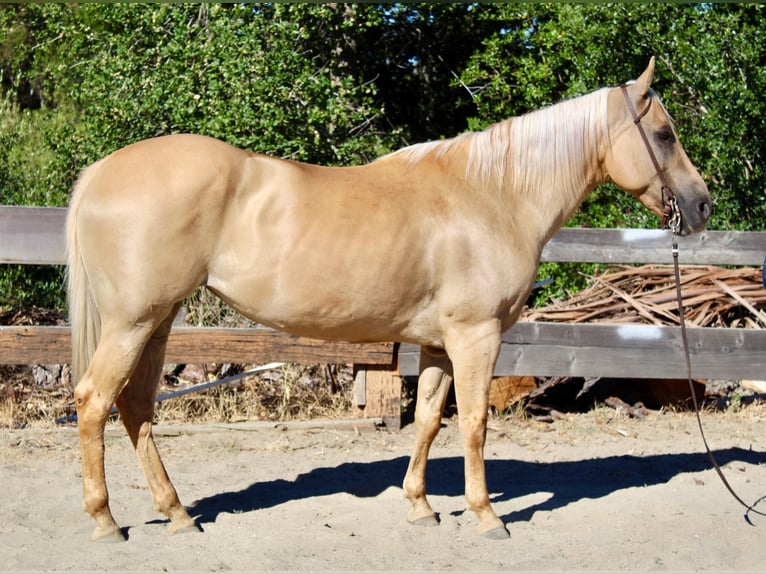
(671, 216)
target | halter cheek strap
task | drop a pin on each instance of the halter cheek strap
(671, 215)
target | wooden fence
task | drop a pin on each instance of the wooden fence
(31, 235)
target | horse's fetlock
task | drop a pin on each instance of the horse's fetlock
(95, 504)
(168, 504)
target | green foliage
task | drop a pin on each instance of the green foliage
(245, 74)
(32, 285)
(80, 81)
(343, 84)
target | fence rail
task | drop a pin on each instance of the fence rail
(24, 345)
(640, 351)
(33, 235)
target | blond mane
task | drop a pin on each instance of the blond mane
(540, 150)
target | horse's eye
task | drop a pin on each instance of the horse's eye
(665, 136)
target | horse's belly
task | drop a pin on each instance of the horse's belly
(334, 310)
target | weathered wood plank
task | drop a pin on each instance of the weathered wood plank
(32, 235)
(52, 345)
(409, 360)
(35, 345)
(36, 235)
(264, 345)
(641, 351)
(654, 246)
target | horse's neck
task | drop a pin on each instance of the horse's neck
(552, 166)
(538, 167)
(548, 210)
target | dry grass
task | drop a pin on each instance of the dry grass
(24, 403)
(204, 309)
(290, 392)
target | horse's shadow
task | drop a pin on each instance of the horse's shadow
(567, 482)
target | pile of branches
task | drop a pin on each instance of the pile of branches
(712, 296)
(30, 316)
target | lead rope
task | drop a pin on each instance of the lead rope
(672, 217)
(684, 337)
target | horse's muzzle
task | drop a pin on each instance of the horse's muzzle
(696, 209)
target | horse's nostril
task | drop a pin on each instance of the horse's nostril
(705, 209)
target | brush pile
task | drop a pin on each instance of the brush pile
(712, 296)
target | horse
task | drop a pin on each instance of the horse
(445, 258)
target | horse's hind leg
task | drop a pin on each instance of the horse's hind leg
(136, 406)
(95, 394)
(433, 384)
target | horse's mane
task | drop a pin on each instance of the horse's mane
(542, 149)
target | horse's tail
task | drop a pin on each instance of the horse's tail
(83, 313)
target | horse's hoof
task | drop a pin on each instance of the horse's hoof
(108, 535)
(422, 517)
(426, 521)
(499, 533)
(184, 528)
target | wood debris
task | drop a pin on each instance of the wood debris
(637, 411)
(712, 296)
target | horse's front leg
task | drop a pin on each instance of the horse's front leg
(474, 352)
(433, 384)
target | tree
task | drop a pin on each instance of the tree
(103, 76)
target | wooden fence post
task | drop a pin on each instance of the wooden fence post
(378, 391)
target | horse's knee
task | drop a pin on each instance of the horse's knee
(473, 428)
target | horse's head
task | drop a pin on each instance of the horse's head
(652, 165)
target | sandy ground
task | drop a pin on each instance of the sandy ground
(592, 492)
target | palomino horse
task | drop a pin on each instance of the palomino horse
(445, 258)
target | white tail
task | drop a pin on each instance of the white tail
(83, 313)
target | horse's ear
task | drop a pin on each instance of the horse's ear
(644, 81)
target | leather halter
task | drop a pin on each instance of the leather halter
(671, 215)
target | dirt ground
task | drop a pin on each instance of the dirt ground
(594, 491)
